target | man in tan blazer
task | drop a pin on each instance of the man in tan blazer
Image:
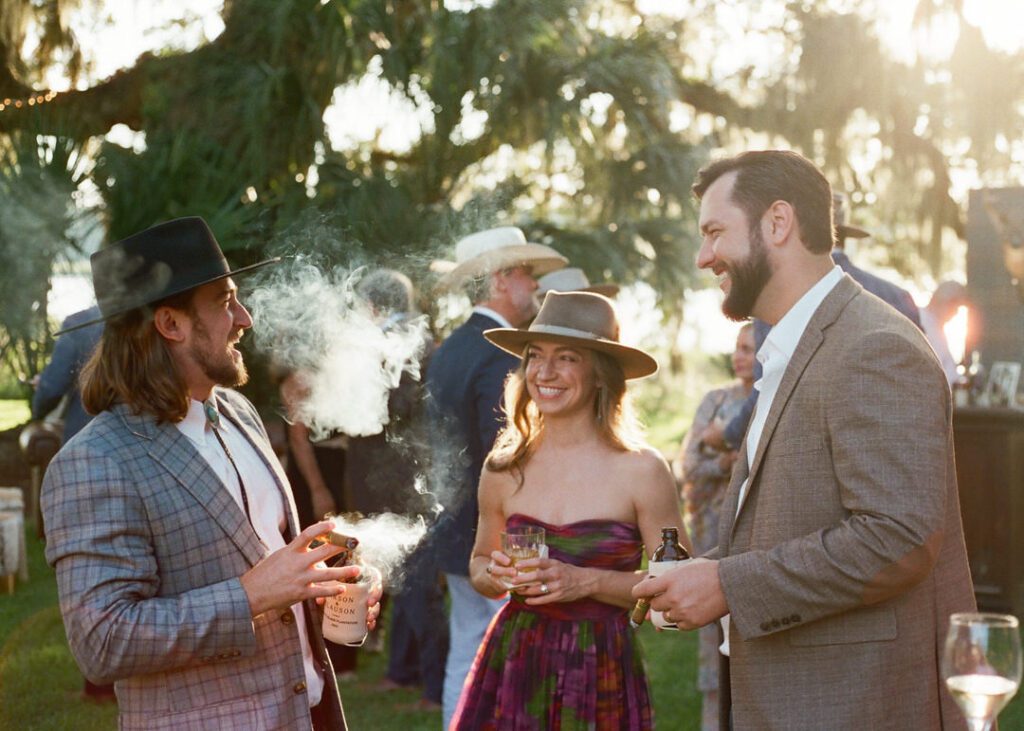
(841, 552)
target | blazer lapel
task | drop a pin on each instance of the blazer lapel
(810, 341)
(273, 464)
(175, 453)
(730, 501)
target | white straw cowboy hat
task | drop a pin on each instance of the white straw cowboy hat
(582, 319)
(572, 279)
(491, 251)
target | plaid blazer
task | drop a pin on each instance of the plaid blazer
(847, 557)
(149, 547)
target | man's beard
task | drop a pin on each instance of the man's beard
(748, 279)
(219, 367)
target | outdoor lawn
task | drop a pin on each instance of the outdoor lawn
(40, 686)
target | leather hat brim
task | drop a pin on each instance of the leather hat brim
(851, 232)
(635, 363)
(164, 295)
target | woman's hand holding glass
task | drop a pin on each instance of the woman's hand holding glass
(501, 572)
(554, 581)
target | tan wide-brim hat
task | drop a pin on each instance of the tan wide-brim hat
(582, 319)
(491, 251)
(572, 279)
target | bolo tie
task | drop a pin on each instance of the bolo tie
(213, 418)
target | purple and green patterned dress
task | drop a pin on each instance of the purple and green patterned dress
(565, 666)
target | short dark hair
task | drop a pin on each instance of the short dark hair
(766, 176)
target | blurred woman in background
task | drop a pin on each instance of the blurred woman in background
(704, 473)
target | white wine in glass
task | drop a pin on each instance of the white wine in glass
(981, 664)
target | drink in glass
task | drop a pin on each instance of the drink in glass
(981, 664)
(520, 544)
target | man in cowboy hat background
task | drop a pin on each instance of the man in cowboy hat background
(464, 382)
(182, 575)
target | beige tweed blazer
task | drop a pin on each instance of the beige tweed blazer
(847, 557)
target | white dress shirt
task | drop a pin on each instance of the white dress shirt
(266, 508)
(493, 315)
(774, 356)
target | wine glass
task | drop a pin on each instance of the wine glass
(981, 664)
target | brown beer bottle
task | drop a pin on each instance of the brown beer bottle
(669, 550)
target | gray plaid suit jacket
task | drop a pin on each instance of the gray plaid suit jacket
(847, 557)
(149, 546)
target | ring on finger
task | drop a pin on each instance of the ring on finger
(544, 589)
(489, 568)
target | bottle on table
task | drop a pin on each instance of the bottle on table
(665, 558)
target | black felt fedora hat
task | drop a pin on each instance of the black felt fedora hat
(164, 260)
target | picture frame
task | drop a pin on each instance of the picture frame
(1001, 388)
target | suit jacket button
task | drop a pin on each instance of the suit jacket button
(785, 621)
(795, 618)
(775, 624)
(300, 687)
(288, 617)
(766, 626)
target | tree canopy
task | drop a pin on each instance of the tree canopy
(582, 121)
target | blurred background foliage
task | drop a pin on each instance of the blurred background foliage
(582, 121)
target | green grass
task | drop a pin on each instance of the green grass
(40, 685)
(13, 412)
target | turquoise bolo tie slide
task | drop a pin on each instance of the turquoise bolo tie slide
(212, 415)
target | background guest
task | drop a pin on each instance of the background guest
(947, 298)
(704, 476)
(380, 476)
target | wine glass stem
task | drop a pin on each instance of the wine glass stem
(979, 724)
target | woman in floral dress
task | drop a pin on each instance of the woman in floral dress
(560, 654)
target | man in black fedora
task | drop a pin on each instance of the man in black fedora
(183, 577)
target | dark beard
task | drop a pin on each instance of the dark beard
(748, 279)
(226, 373)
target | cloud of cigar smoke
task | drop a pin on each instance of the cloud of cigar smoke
(384, 542)
(310, 319)
(313, 323)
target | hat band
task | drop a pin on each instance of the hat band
(567, 331)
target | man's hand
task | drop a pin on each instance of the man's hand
(691, 594)
(292, 574)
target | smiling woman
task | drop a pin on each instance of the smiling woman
(569, 462)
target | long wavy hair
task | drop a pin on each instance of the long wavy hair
(133, 365)
(524, 424)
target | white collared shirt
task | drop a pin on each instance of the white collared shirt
(266, 506)
(488, 312)
(774, 356)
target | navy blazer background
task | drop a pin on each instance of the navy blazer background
(465, 379)
(60, 376)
